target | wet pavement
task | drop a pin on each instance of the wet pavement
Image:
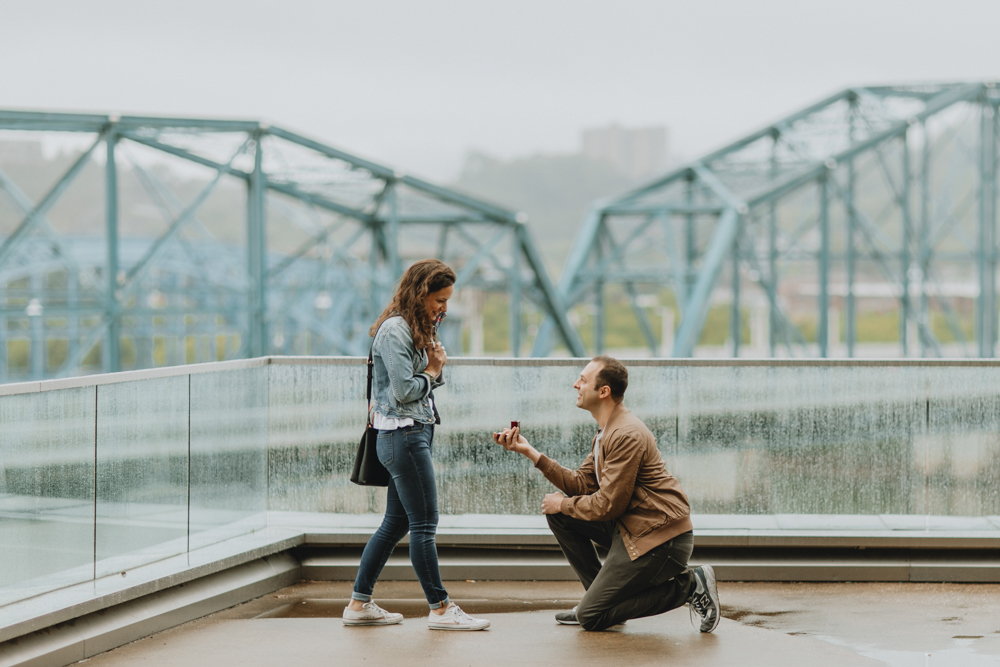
(899, 624)
(775, 624)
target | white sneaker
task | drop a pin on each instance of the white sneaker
(455, 619)
(371, 614)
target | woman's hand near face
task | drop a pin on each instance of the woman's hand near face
(436, 358)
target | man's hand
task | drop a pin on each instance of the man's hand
(551, 503)
(513, 441)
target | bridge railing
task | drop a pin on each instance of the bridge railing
(102, 474)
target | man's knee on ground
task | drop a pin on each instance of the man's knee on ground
(591, 626)
(589, 616)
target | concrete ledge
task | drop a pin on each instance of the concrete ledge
(101, 631)
(887, 571)
(860, 564)
(444, 539)
(500, 563)
(73, 602)
(711, 530)
(767, 539)
(455, 564)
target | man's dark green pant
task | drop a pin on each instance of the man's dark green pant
(622, 588)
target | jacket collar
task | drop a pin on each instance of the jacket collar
(616, 415)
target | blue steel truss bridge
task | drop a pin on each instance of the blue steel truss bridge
(133, 242)
(158, 241)
(876, 204)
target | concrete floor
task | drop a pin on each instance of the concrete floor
(904, 625)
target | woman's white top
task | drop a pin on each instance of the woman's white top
(383, 423)
(597, 456)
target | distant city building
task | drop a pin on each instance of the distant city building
(635, 152)
(20, 152)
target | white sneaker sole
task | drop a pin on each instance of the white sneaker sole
(371, 621)
(445, 626)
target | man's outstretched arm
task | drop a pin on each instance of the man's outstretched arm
(571, 482)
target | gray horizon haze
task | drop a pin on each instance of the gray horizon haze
(417, 85)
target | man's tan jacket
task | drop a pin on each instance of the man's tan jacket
(636, 489)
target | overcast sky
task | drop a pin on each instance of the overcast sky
(415, 84)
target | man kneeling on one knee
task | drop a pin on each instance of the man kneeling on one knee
(624, 499)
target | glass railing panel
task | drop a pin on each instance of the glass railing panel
(793, 440)
(317, 416)
(961, 451)
(142, 472)
(105, 472)
(228, 454)
(318, 412)
(743, 439)
(475, 475)
(653, 397)
(46, 491)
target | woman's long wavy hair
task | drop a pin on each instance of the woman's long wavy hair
(422, 278)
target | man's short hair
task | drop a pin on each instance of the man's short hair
(613, 375)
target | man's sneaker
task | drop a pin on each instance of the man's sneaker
(567, 617)
(371, 614)
(704, 601)
(455, 619)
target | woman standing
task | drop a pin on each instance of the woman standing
(407, 367)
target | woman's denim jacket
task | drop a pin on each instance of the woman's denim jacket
(399, 389)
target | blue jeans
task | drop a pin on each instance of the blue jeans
(411, 507)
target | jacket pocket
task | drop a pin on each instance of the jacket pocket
(639, 496)
(642, 516)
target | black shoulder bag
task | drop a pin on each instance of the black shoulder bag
(368, 470)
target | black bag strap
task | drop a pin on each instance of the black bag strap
(368, 393)
(371, 366)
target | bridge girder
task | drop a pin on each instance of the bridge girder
(321, 239)
(891, 184)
